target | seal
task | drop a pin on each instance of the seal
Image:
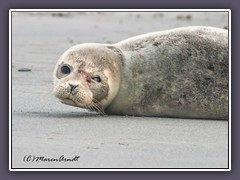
(182, 72)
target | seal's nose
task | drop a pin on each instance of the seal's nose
(72, 87)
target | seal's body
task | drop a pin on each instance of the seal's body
(177, 73)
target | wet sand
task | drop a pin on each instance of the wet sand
(43, 127)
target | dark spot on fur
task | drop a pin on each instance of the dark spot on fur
(159, 89)
(136, 72)
(146, 87)
(184, 96)
(157, 43)
(140, 71)
(208, 79)
(210, 67)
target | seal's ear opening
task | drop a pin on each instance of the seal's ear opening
(118, 52)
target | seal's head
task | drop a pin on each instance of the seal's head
(87, 76)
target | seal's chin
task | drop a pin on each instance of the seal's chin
(70, 102)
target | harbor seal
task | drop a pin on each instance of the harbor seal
(180, 73)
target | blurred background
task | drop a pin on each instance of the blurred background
(111, 27)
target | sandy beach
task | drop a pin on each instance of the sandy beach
(43, 129)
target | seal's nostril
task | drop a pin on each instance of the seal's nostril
(72, 87)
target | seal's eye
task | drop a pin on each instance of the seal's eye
(65, 69)
(97, 79)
